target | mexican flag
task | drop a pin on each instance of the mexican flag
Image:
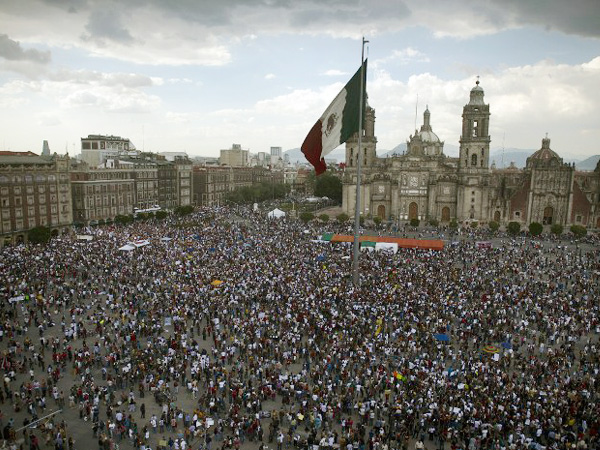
(337, 124)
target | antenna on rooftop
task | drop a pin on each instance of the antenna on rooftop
(416, 107)
(503, 136)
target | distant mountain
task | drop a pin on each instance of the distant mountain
(397, 150)
(588, 164)
(502, 157)
(339, 154)
(296, 155)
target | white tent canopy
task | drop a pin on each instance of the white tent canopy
(276, 214)
(127, 248)
(387, 246)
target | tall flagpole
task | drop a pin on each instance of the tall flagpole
(356, 249)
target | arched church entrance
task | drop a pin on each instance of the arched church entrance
(548, 215)
(413, 211)
(445, 214)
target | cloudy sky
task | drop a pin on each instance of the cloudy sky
(200, 75)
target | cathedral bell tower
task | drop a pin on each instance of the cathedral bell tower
(475, 139)
(368, 143)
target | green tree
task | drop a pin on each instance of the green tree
(474, 224)
(329, 185)
(434, 222)
(324, 218)
(235, 196)
(453, 224)
(101, 222)
(123, 220)
(342, 218)
(513, 228)
(258, 193)
(414, 222)
(39, 235)
(184, 210)
(557, 229)
(377, 221)
(536, 228)
(578, 231)
(306, 216)
(493, 226)
(161, 214)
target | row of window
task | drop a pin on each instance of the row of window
(17, 179)
(4, 191)
(100, 189)
(31, 211)
(28, 223)
(30, 200)
(102, 213)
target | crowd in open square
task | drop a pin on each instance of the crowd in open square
(227, 330)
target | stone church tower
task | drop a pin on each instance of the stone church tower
(474, 159)
(368, 143)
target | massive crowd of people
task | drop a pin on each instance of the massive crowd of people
(229, 330)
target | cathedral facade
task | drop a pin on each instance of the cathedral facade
(425, 184)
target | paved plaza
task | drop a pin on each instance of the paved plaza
(225, 330)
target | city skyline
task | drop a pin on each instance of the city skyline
(199, 76)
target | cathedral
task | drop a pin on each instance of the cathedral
(426, 184)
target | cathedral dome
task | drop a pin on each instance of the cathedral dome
(477, 88)
(476, 97)
(429, 136)
(425, 142)
(544, 156)
(426, 133)
(545, 153)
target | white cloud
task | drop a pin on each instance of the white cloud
(47, 119)
(335, 73)
(157, 32)
(111, 100)
(13, 51)
(91, 77)
(140, 55)
(179, 81)
(525, 102)
(74, 89)
(404, 56)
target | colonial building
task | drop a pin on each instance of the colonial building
(157, 181)
(96, 148)
(101, 194)
(56, 191)
(212, 184)
(426, 184)
(184, 183)
(34, 191)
